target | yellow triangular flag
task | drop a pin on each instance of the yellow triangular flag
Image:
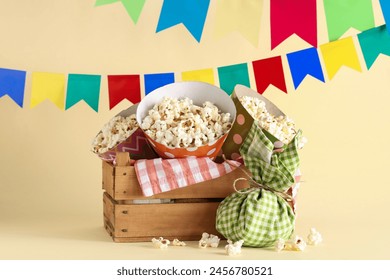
(204, 75)
(241, 16)
(340, 53)
(48, 86)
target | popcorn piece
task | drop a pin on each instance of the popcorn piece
(161, 243)
(279, 245)
(314, 238)
(282, 127)
(114, 132)
(209, 240)
(177, 242)
(178, 123)
(233, 249)
(296, 244)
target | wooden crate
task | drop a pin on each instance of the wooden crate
(182, 213)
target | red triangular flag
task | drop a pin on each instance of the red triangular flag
(123, 87)
(269, 71)
(289, 17)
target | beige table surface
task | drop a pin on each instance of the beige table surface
(347, 235)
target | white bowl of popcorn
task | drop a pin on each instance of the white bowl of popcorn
(122, 134)
(186, 119)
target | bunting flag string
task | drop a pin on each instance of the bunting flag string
(286, 17)
(289, 17)
(267, 71)
(65, 91)
(341, 15)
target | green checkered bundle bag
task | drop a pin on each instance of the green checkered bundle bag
(260, 214)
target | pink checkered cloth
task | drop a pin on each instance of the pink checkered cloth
(162, 175)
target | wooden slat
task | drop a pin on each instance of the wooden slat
(174, 220)
(108, 178)
(109, 208)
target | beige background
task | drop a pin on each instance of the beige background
(51, 197)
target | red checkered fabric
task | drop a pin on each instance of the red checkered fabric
(161, 175)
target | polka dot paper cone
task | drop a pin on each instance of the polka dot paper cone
(199, 93)
(243, 121)
(210, 150)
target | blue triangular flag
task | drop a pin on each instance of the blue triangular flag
(385, 6)
(305, 62)
(154, 81)
(192, 13)
(12, 83)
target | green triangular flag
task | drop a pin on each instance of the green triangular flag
(133, 8)
(344, 14)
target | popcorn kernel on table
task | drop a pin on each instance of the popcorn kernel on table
(233, 249)
(177, 242)
(314, 237)
(209, 240)
(160, 243)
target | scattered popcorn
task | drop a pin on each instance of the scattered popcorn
(178, 123)
(209, 240)
(314, 237)
(279, 245)
(296, 244)
(282, 127)
(161, 243)
(177, 242)
(233, 249)
(114, 132)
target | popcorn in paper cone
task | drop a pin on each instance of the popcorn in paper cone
(244, 121)
(122, 134)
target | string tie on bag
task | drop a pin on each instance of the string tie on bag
(255, 185)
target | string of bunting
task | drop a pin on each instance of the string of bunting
(286, 17)
(66, 90)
